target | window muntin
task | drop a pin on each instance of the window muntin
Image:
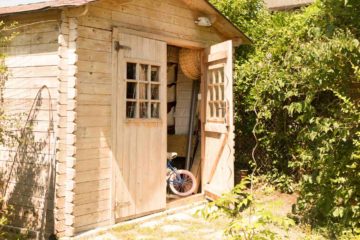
(216, 95)
(142, 91)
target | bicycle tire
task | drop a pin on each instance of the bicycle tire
(187, 185)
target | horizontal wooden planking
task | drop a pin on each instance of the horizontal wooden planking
(89, 121)
(95, 34)
(27, 190)
(162, 17)
(93, 164)
(94, 67)
(33, 201)
(91, 218)
(39, 27)
(95, 142)
(92, 56)
(93, 226)
(172, 8)
(92, 175)
(29, 216)
(29, 93)
(7, 160)
(88, 110)
(95, 88)
(33, 17)
(158, 13)
(92, 132)
(96, 45)
(32, 60)
(89, 77)
(91, 196)
(95, 153)
(91, 99)
(31, 83)
(34, 72)
(94, 22)
(172, 28)
(35, 39)
(28, 102)
(92, 186)
(15, 110)
(85, 209)
(31, 49)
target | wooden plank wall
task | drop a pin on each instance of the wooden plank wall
(153, 18)
(93, 153)
(32, 60)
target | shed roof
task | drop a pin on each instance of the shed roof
(222, 24)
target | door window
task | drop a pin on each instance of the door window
(216, 94)
(142, 91)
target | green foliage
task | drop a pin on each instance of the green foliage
(231, 204)
(249, 220)
(5, 38)
(282, 182)
(301, 76)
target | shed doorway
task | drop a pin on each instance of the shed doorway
(183, 114)
(159, 109)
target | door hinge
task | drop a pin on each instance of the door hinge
(118, 46)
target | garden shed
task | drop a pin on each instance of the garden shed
(100, 91)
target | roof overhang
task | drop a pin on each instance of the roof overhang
(220, 22)
(53, 4)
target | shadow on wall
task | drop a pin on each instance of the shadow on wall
(28, 173)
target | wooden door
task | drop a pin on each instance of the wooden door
(218, 129)
(140, 153)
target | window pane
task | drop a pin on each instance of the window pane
(211, 94)
(211, 77)
(155, 110)
(144, 110)
(217, 110)
(221, 75)
(221, 93)
(130, 109)
(131, 71)
(214, 76)
(217, 93)
(211, 108)
(143, 91)
(155, 95)
(223, 110)
(143, 72)
(155, 71)
(131, 91)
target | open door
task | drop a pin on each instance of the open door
(217, 123)
(140, 137)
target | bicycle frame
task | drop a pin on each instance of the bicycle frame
(173, 171)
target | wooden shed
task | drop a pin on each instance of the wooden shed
(102, 90)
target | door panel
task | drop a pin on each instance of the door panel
(218, 129)
(140, 155)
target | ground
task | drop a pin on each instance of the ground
(186, 224)
(183, 225)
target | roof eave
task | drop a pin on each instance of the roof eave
(42, 6)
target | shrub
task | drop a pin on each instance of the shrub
(299, 82)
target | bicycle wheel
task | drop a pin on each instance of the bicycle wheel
(182, 183)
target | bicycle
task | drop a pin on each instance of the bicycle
(180, 181)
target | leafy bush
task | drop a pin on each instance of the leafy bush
(301, 78)
(248, 219)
